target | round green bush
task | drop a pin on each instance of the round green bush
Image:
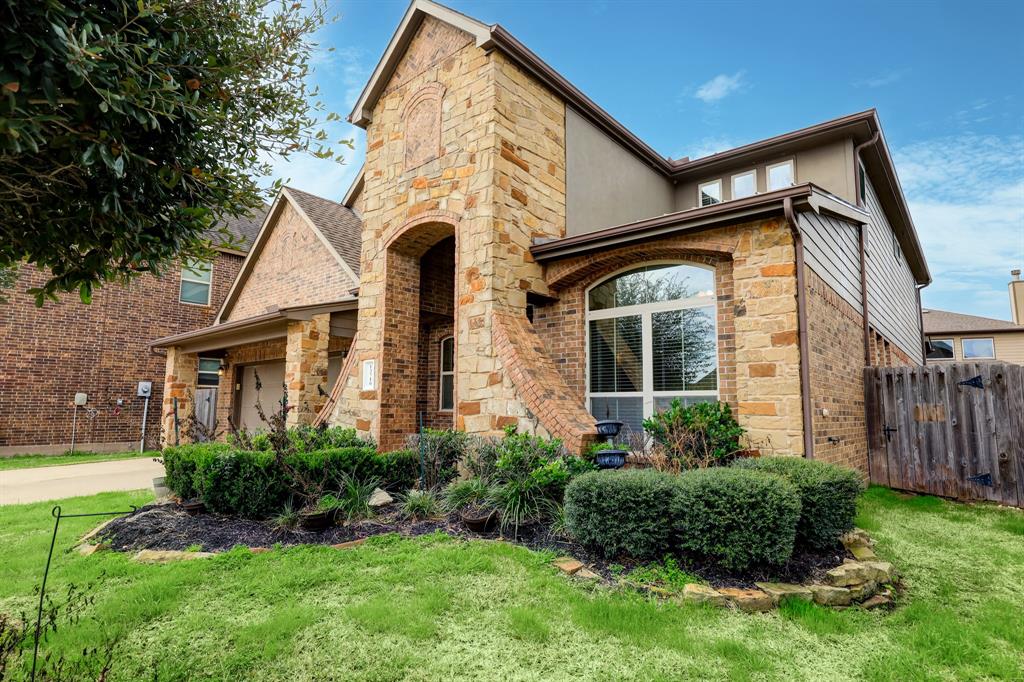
(828, 496)
(737, 518)
(245, 484)
(621, 512)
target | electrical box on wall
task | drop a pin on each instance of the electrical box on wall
(145, 389)
(81, 399)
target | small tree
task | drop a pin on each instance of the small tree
(128, 129)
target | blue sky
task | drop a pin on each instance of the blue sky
(699, 77)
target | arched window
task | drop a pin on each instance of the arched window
(447, 399)
(651, 337)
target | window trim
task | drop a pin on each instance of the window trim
(952, 346)
(732, 184)
(647, 394)
(990, 339)
(442, 373)
(791, 162)
(700, 191)
(183, 279)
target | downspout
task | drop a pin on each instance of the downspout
(863, 247)
(801, 316)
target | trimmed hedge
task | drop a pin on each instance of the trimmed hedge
(738, 518)
(621, 512)
(252, 485)
(828, 496)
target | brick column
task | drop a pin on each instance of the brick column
(179, 382)
(306, 367)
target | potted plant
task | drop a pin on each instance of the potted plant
(479, 517)
(194, 506)
(320, 515)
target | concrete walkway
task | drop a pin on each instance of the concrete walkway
(18, 486)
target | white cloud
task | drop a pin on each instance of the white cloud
(712, 144)
(719, 87)
(882, 79)
(966, 195)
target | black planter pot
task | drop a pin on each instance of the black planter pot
(316, 520)
(480, 522)
(194, 507)
(610, 459)
(609, 428)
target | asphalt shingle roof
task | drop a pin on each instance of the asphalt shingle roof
(339, 224)
(246, 228)
(946, 322)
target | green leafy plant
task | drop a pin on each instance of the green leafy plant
(828, 496)
(441, 451)
(287, 518)
(459, 495)
(420, 504)
(328, 502)
(353, 497)
(698, 436)
(667, 574)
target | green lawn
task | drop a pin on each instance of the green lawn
(32, 461)
(434, 608)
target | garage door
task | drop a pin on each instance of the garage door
(272, 382)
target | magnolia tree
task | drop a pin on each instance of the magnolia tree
(128, 130)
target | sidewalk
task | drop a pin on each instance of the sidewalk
(19, 486)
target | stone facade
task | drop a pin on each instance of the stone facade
(305, 367)
(101, 349)
(178, 394)
(294, 267)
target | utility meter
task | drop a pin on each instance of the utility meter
(145, 389)
(81, 399)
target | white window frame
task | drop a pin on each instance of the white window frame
(209, 285)
(732, 183)
(443, 373)
(700, 192)
(645, 310)
(952, 346)
(990, 339)
(768, 174)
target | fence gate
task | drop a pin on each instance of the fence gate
(951, 429)
(206, 406)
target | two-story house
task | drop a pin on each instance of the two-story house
(513, 255)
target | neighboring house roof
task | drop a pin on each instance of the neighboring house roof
(337, 226)
(946, 322)
(245, 228)
(862, 126)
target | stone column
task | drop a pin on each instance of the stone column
(306, 367)
(179, 383)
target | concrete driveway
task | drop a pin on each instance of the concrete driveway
(19, 486)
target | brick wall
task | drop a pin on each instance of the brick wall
(100, 349)
(294, 268)
(835, 336)
(885, 353)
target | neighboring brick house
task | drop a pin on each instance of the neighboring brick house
(581, 275)
(955, 337)
(102, 349)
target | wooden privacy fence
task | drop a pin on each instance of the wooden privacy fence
(950, 429)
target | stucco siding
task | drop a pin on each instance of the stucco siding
(605, 184)
(832, 249)
(892, 299)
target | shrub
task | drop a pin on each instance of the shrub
(182, 462)
(828, 496)
(304, 438)
(738, 518)
(246, 484)
(420, 504)
(441, 451)
(699, 436)
(621, 512)
(398, 469)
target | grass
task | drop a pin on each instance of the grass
(436, 608)
(33, 461)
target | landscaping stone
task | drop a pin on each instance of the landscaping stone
(881, 571)
(703, 594)
(259, 550)
(849, 573)
(86, 549)
(96, 531)
(863, 591)
(380, 498)
(863, 553)
(350, 544)
(164, 556)
(857, 538)
(587, 574)
(876, 602)
(568, 565)
(827, 595)
(780, 591)
(748, 600)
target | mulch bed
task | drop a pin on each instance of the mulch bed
(168, 526)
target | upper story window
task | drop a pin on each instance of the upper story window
(780, 175)
(651, 338)
(940, 349)
(978, 349)
(447, 399)
(195, 283)
(744, 185)
(710, 193)
(209, 372)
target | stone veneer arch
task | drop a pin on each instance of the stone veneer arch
(421, 125)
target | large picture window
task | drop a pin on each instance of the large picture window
(651, 338)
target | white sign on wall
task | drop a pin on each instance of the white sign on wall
(369, 375)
